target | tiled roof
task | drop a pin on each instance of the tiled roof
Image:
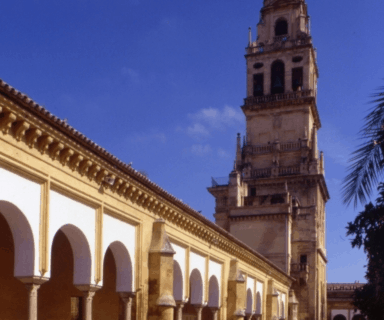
(24, 101)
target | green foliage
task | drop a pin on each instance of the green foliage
(367, 231)
(366, 167)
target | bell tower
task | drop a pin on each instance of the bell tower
(274, 199)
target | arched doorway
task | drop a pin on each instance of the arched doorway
(249, 305)
(195, 302)
(213, 305)
(106, 301)
(177, 282)
(116, 296)
(178, 290)
(70, 265)
(258, 303)
(13, 294)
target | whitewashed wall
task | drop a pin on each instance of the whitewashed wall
(115, 230)
(197, 261)
(67, 212)
(215, 269)
(180, 257)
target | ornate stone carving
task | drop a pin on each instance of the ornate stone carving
(31, 136)
(6, 121)
(20, 128)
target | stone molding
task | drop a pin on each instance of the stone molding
(311, 101)
(30, 123)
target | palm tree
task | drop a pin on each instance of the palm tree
(367, 162)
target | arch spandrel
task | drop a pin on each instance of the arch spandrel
(20, 200)
(120, 232)
(215, 269)
(180, 258)
(65, 211)
(198, 262)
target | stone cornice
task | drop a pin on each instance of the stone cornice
(30, 123)
(311, 101)
(300, 178)
(267, 216)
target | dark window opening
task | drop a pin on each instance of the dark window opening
(303, 259)
(258, 85)
(281, 27)
(277, 77)
(252, 192)
(258, 65)
(339, 317)
(297, 59)
(297, 79)
(277, 198)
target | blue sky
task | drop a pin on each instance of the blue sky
(160, 83)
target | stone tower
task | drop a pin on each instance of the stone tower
(274, 199)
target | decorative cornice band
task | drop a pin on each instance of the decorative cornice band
(54, 137)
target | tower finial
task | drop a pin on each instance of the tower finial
(249, 36)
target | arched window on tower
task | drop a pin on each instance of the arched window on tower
(258, 85)
(297, 79)
(277, 77)
(281, 27)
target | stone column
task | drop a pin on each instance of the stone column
(89, 292)
(199, 309)
(161, 303)
(32, 300)
(179, 310)
(127, 297)
(214, 312)
(32, 284)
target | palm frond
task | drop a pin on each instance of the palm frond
(366, 166)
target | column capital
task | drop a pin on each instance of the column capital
(87, 288)
(180, 303)
(127, 296)
(33, 280)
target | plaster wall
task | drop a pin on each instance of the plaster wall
(66, 211)
(215, 269)
(180, 257)
(197, 261)
(117, 230)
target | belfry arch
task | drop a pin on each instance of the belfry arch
(277, 77)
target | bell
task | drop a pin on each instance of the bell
(277, 83)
